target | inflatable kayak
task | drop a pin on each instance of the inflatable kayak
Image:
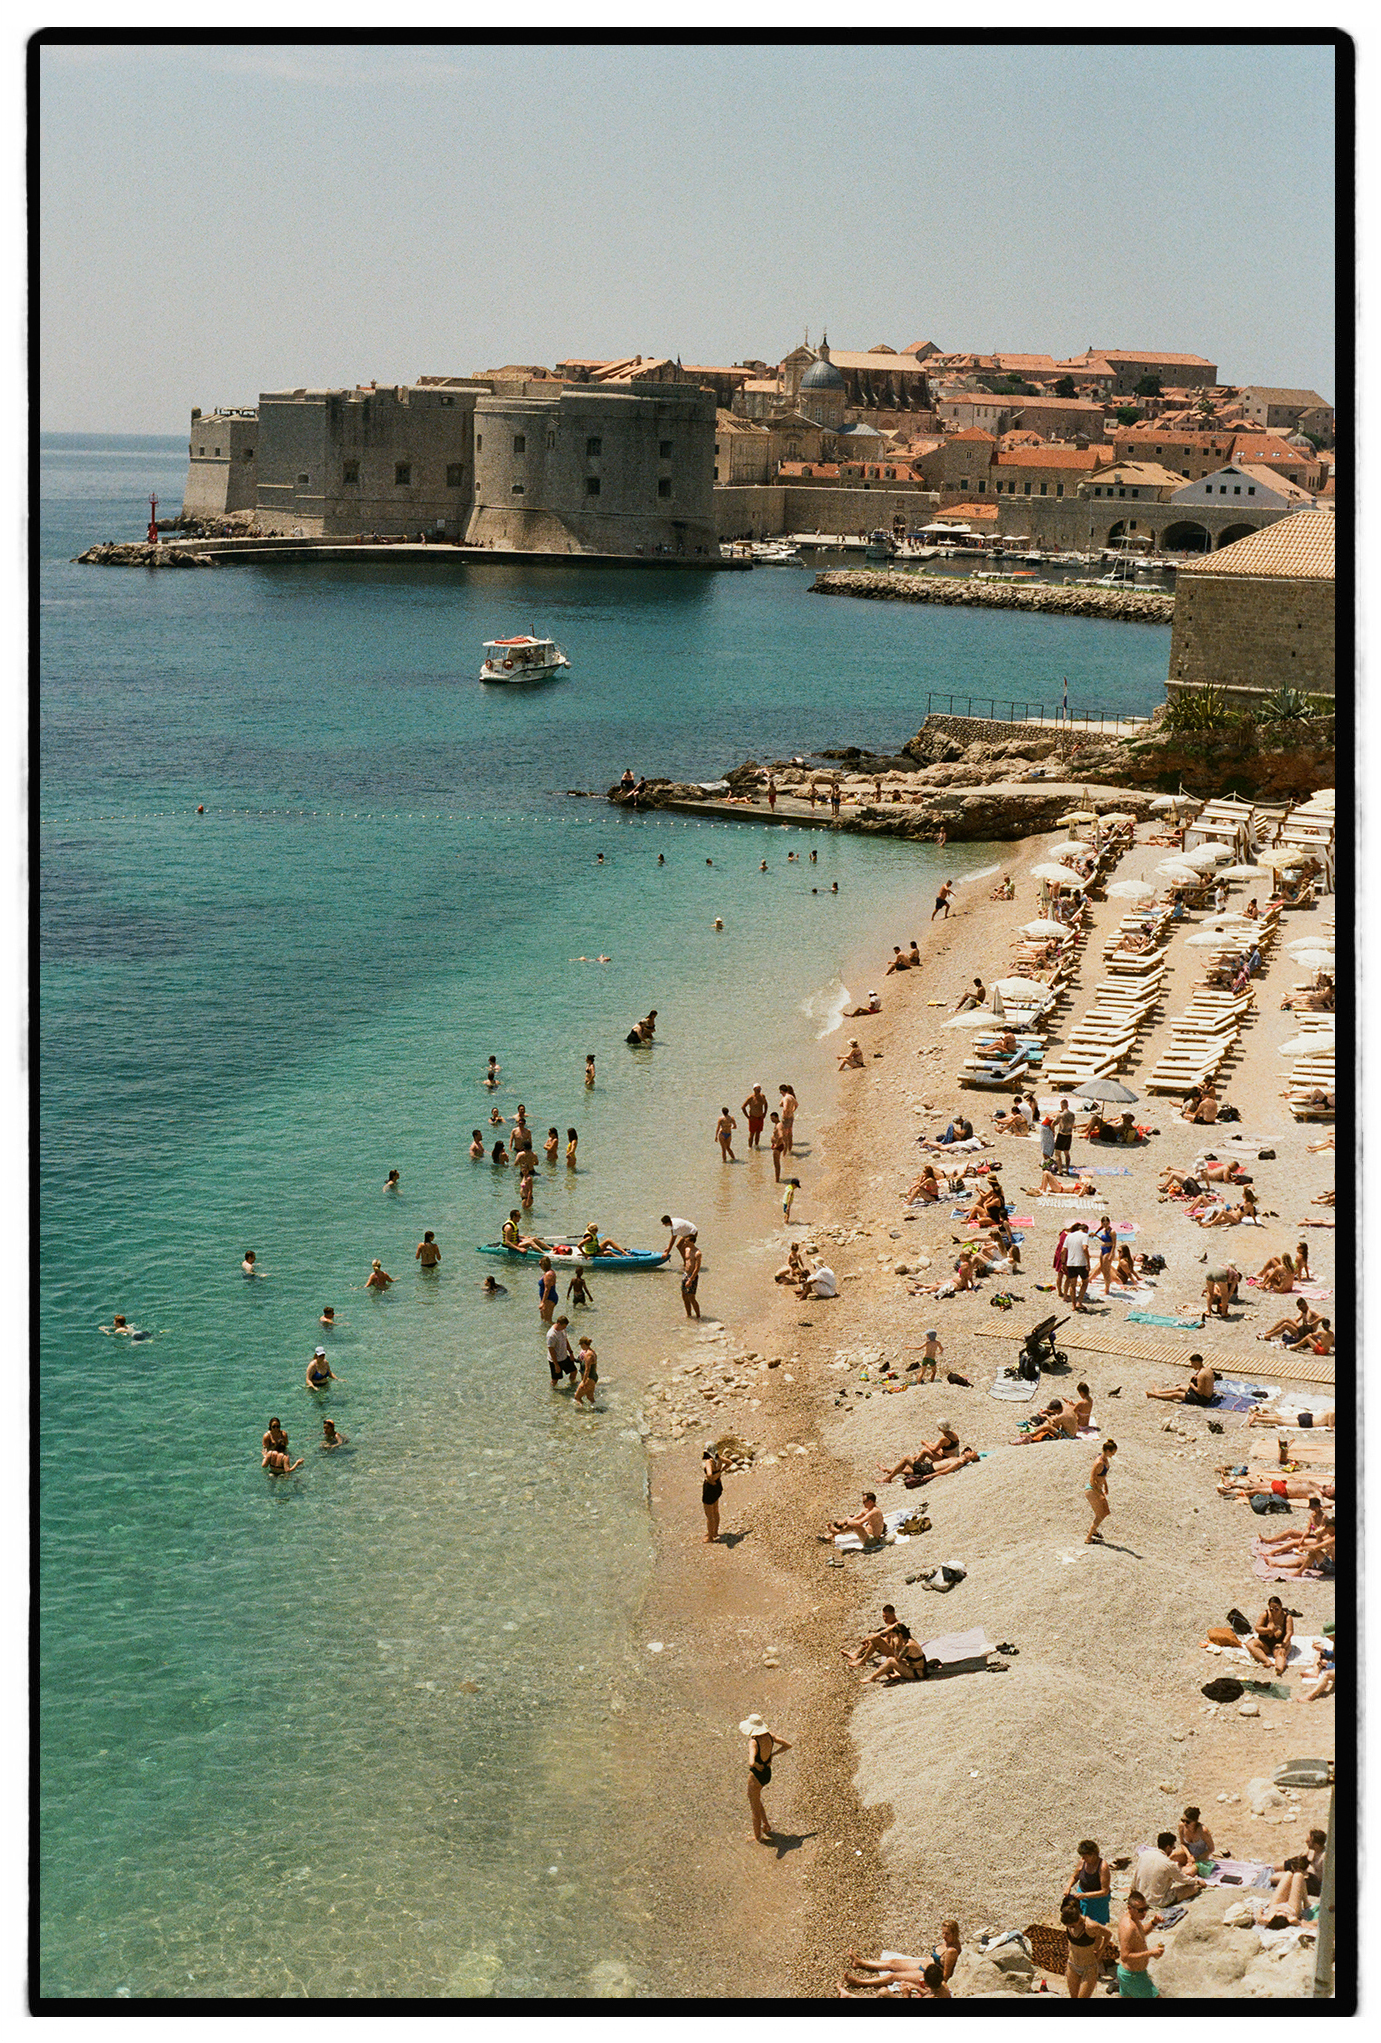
(566, 1256)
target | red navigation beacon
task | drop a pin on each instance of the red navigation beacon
(153, 520)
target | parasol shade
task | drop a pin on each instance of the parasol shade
(1302, 1046)
(1018, 989)
(1043, 928)
(1056, 874)
(1132, 890)
(1105, 1089)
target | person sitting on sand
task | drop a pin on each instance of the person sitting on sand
(1279, 1542)
(975, 997)
(1269, 1645)
(959, 1130)
(907, 1663)
(1022, 1119)
(884, 1640)
(1292, 1331)
(900, 961)
(1316, 1555)
(793, 1270)
(923, 1461)
(1204, 1110)
(1059, 1421)
(867, 1523)
(1198, 1391)
(852, 1060)
(874, 1007)
(1320, 1340)
(1277, 1273)
(1093, 1129)
(988, 1206)
(1157, 1876)
(1006, 890)
(926, 1190)
(818, 1283)
(1193, 1838)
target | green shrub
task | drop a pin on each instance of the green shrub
(1199, 709)
(1286, 705)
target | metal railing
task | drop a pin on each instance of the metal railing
(1024, 712)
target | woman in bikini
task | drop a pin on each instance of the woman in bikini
(552, 1144)
(1097, 1494)
(711, 1490)
(1105, 1241)
(926, 1190)
(789, 1104)
(906, 1664)
(761, 1747)
(589, 1378)
(571, 1140)
(1087, 1944)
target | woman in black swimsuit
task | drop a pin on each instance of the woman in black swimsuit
(711, 1490)
(761, 1746)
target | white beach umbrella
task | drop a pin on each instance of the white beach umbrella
(1180, 875)
(1015, 991)
(1310, 943)
(1118, 816)
(973, 1018)
(1206, 855)
(1245, 872)
(1057, 875)
(1072, 849)
(1303, 1046)
(1132, 890)
(1316, 961)
(1164, 803)
(1220, 940)
(1042, 927)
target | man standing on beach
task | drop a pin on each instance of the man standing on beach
(754, 1110)
(942, 901)
(1134, 1954)
(1064, 1136)
(690, 1282)
(778, 1145)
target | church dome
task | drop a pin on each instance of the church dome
(822, 375)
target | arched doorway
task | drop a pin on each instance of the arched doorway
(1186, 538)
(1235, 532)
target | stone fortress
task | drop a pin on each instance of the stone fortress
(517, 463)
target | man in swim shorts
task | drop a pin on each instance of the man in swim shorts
(1134, 1954)
(559, 1357)
(754, 1110)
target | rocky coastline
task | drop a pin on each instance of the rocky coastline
(139, 553)
(1128, 606)
(985, 790)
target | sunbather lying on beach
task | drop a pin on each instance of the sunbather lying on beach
(924, 1459)
(1270, 1415)
(1061, 1187)
(1221, 1213)
(871, 1979)
(1289, 1898)
(1295, 1536)
(1318, 1553)
(1060, 1421)
(946, 1287)
(948, 1466)
(1297, 1487)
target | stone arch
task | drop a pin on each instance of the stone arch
(1231, 532)
(1186, 537)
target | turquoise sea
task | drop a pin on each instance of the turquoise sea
(344, 1734)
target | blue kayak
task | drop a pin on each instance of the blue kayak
(565, 1256)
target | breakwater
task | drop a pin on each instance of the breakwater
(1133, 606)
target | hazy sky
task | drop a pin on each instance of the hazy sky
(223, 219)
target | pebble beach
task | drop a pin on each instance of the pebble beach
(966, 1797)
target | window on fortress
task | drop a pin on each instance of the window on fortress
(594, 445)
(518, 489)
(592, 485)
(402, 473)
(350, 472)
(1045, 489)
(520, 443)
(664, 486)
(248, 454)
(1027, 491)
(201, 450)
(479, 442)
(716, 472)
(218, 453)
(302, 479)
(1251, 492)
(982, 486)
(551, 440)
(664, 450)
(455, 475)
(1059, 489)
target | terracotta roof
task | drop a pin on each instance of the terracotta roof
(1149, 355)
(1022, 438)
(904, 365)
(1265, 447)
(730, 422)
(1141, 475)
(1299, 547)
(1281, 484)
(768, 383)
(971, 433)
(1045, 363)
(1269, 395)
(967, 513)
(1072, 403)
(706, 369)
(815, 467)
(1054, 454)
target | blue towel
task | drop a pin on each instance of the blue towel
(1165, 1319)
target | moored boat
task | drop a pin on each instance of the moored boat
(516, 660)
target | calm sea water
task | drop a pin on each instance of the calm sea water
(344, 1734)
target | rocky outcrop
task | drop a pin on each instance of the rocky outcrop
(1270, 761)
(143, 555)
(1062, 599)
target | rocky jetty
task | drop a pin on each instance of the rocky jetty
(1130, 606)
(141, 554)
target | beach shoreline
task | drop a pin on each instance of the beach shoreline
(866, 1873)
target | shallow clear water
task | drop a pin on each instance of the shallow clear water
(347, 1734)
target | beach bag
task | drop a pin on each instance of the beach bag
(1265, 1156)
(953, 1376)
(1223, 1690)
(1243, 1626)
(1228, 1114)
(1221, 1635)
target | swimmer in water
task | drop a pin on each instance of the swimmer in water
(330, 1437)
(328, 1316)
(599, 858)
(428, 1254)
(661, 858)
(391, 1181)
(552, 1144)
(476, 1143)
(492, 1288)
(496, 1119)
(814, 858)
(491, 1076)
(571, 1139)
(275, 1440)
(248, 1265)
(378, 1278)
(320, 1372)
(278, 1464)
(709, 861)
(834, 886)
(590, 1068)
(578, 1291)
(762, 867)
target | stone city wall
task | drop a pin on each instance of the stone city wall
(1253, 633)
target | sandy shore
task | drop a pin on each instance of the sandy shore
(899, 1807)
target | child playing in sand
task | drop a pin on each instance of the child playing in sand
(930, 1354)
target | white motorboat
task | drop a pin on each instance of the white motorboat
(777, 553)
(524, 659)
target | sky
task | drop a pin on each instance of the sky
(216, 220)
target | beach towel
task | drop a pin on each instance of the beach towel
(1302, 1652)
(1021, 1220)
(1240, 1873)
(1166, 1319)
(1017, 1390)
(959, 1649)
(1265, 1571)
(1108, 1170)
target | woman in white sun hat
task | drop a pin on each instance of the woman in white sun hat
(761, 1746)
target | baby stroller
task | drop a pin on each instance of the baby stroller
(1038, 1350)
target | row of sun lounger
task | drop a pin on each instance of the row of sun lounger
(1200, 1039)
